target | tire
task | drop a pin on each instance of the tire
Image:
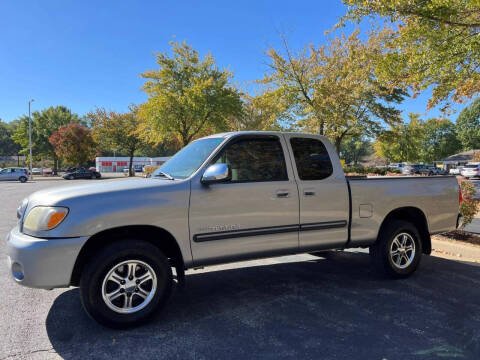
(93, 176)
(106, 264)
(22, 179)
(381, 251)
(99, 176)
(70, 177)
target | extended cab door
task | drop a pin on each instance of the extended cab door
(253, 215)
(323, 192)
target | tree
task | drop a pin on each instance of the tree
(261, 112)
(332, 89)
(7, 145)
(401, 142)
(432, 43)
(44, 124)
(187, 97)
(74, 144)
(117, 131)
(439, 140)
(354, 148)
(468, 126)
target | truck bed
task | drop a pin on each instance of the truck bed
(373, 198)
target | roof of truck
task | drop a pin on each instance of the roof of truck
(255, 132)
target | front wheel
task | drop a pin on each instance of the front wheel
(125, 283)
(398, 249)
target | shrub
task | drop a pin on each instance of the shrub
(469, 206)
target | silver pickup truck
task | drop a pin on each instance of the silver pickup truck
(223, 198)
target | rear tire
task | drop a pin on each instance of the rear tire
(398, 249)
(22, 179)
(135, 300)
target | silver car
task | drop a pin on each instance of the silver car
(14, 174)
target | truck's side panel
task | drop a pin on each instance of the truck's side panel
(373, 199)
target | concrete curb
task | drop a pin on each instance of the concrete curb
(455, 249)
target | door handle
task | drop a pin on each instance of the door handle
(282, 193)
(309, 193)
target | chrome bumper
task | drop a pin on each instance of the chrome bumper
(42, 263)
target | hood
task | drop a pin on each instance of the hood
(58, 195)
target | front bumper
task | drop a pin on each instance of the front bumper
(42, 263)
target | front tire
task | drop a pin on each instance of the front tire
(398, 249)
(126, 283)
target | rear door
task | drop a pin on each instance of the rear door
(323, 193)
(253, 215)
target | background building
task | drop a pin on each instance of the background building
(117, 164)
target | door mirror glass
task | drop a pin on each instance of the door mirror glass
(217, 173)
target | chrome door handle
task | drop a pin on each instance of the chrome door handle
(309, 193)
(282, 194)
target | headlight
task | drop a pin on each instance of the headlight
(44, 217)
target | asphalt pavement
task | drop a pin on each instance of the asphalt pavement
(301, 306)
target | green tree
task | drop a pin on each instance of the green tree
(187, 97)
(401, 142)
(434, 43)
(354, 148)
(261, 112)
(332, 89)
(117, 131)
(468, 126)
(7, 145)
(439, 140)
(74, 144)
(44, 124)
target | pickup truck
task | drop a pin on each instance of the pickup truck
(223, 198)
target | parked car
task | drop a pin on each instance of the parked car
(455, 171)
(412, 169)
(81, 174)
(47, 172)
(14, 174)
(223, 198)
(37, 171)
(470, 171)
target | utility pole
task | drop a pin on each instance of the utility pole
(30, 137)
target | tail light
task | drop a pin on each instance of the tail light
(460, 198)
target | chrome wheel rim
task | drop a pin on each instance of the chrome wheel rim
(129, 286)
(402, 250)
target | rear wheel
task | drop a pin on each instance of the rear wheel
(125, 283)
(398, 249)
(22, 179)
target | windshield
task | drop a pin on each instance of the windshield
(188, 160)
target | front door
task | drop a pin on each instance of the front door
(253, 215)
(323, 192)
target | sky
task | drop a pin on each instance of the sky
(87, 54)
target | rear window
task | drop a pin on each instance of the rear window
(311, 158)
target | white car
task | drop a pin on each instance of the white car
(470, 170)
(454, 171)
(37, 171)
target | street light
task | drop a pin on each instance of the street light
(30, 137)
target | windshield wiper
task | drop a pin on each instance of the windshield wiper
(168, 176)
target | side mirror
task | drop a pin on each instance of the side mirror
(216, 173)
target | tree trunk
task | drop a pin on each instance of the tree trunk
(130, 166)
(338, 142)
(55, 170)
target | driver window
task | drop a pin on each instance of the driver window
(254, 160)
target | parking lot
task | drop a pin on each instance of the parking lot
(290, 307)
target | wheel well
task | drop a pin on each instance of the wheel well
(415, 216)
(155, 235)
